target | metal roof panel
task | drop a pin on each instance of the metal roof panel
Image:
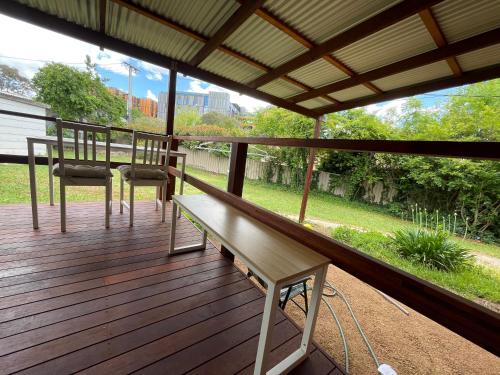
(330, 17)
(203, 16)
(318, 73)
(265, 43)
(314, 103)
(460, 19)
(281, 88)
(351, 93)
(480, 58)
(399, 41)
(410, 77)
(227, 66)
(134, 28)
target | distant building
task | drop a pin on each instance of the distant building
(146, 105)
(14, 130)
(203, 103)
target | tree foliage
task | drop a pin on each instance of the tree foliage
(78, 94)
(466, 187)
(11, 81)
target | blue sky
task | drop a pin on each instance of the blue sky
(29, 48)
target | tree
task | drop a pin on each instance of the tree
(278, 122)
(217, 118)
(78, 95)
(187, 116)
(12, 81)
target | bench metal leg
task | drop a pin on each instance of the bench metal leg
(183, 249)
(272, 302)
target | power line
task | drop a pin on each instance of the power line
(51, 61)
(462, 95)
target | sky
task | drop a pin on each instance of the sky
(28, 48)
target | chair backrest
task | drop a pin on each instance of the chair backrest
(155, 149)
(83, 132)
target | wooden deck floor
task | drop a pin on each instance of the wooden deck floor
(100, 301)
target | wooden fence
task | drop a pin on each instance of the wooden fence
(377, 192)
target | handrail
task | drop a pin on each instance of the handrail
(466, 150)
(468, 319)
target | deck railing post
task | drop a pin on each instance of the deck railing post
(236, 177)
(172, 87)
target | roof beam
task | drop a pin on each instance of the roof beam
(472, 76)
(51, 22)
(298, 37)
(237, 18)
(470, 44)
(370, 26)
(201, 38)
(437, 34)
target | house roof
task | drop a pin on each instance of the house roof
(310, 56)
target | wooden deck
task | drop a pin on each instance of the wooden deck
(100, 301)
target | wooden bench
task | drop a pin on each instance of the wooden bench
(272, 256)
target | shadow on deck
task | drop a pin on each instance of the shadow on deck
(110, 301)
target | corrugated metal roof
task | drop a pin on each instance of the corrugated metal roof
(317, 20)
(265, 43)
(227, 66)
(203, 16)
(281, 88)
(81, 12)
(322, 19)
(410, 77)
(481, 58)
(460, 19)
(351, 93)
(314, 103)
(318, 73)
(404, 39)
(142, 31)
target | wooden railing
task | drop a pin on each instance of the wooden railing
(466, 318)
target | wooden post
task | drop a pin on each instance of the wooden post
(172, 85)
(236, 177)
(310, 166)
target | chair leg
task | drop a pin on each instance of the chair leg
(163, 202)
(131, 204)
(157, 197)
(110, 196)
(121, 195)
(106, 199)
(63, 205)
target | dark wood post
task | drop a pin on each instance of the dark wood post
(309, 173)
(172, 85)
(236, 177)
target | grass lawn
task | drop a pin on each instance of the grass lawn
(14, 188)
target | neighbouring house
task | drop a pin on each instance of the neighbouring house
(14, 130)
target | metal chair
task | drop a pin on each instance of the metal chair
(86, 171)
(152, 170)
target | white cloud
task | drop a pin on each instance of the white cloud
(251, 104)
(153, 72)
(152, 96)
(27, 42)
(383, 109)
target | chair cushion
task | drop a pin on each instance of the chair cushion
(87, 171)
(143, 173)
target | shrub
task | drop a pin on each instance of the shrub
(431, 248)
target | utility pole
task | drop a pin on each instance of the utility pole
(131, 70)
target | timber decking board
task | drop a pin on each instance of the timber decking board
(109, 301)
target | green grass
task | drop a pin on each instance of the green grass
(14, 188)
(471, 282)
(325, 207)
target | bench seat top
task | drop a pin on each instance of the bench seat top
(267, 252)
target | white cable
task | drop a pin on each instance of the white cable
(342, 336)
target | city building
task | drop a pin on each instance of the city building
(203, 103)
(146, 105)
